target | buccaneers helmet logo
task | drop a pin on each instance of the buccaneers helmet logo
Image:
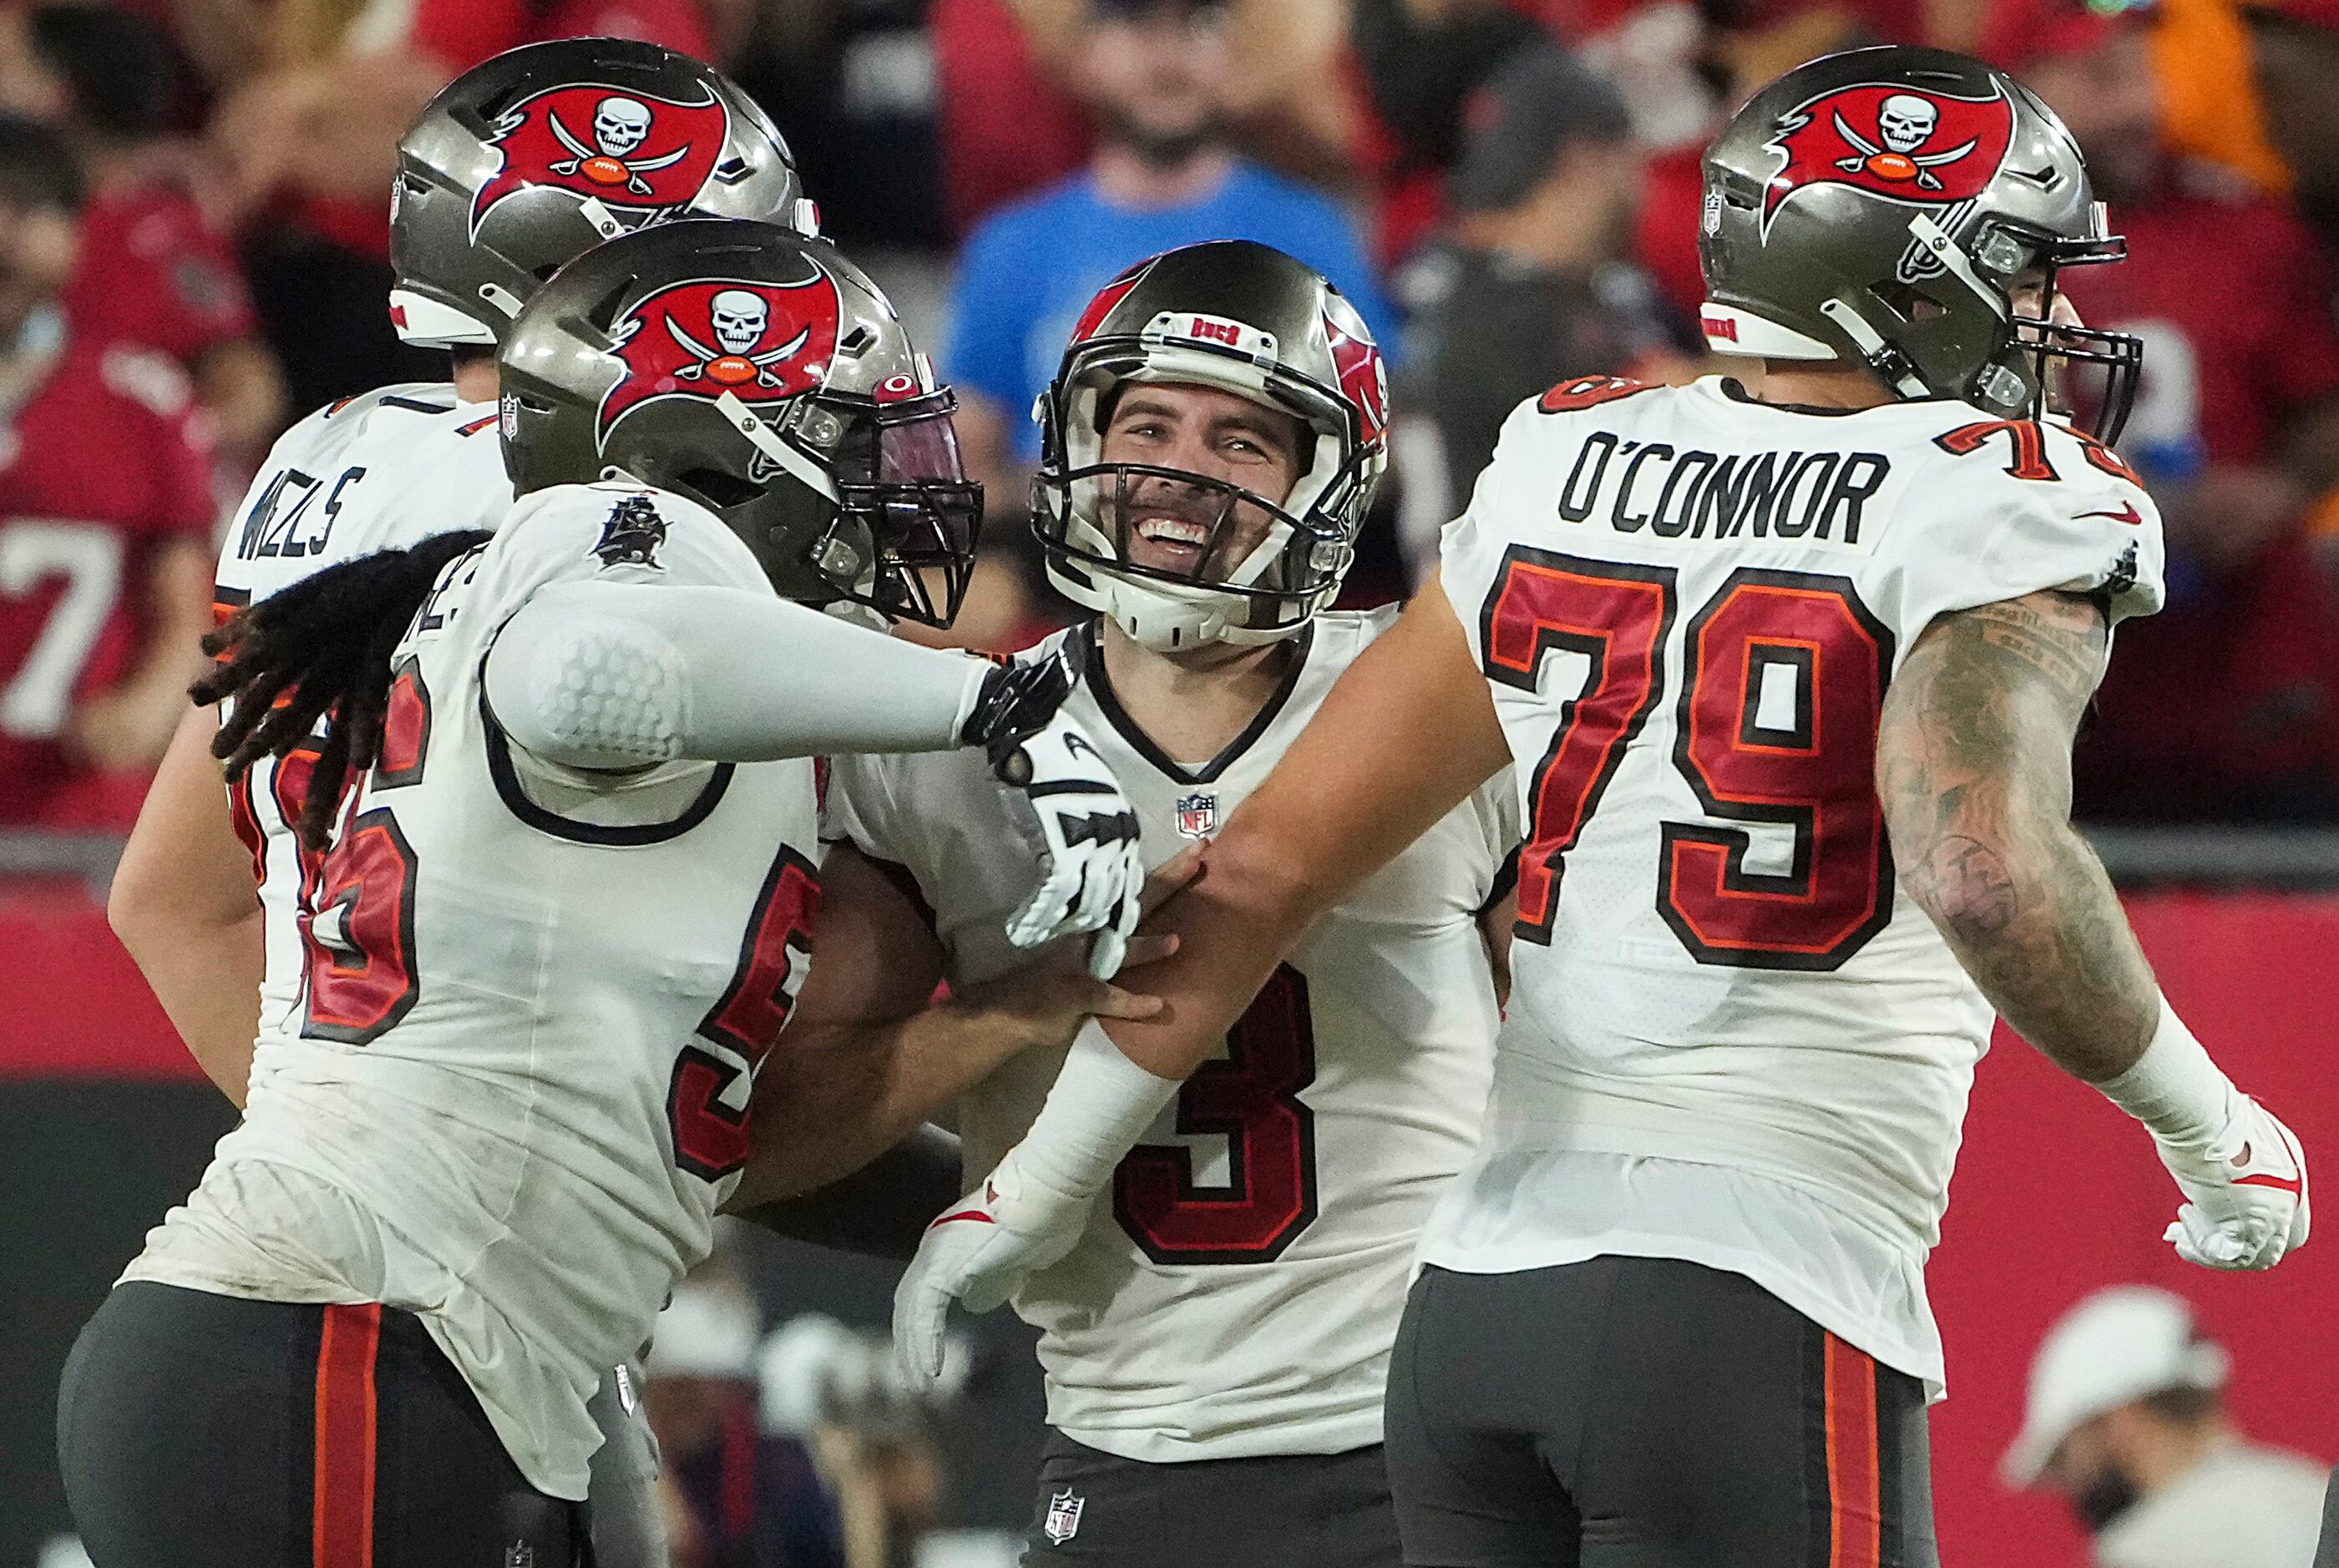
(1363, 376)
(763, 342)
(1926, 149)
(1112, 295)
(632, 150)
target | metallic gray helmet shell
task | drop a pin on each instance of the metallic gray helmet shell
(509, 173)
(1860, 184)
(758, 373)
(1243, 318)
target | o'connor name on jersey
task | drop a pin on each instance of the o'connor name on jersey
(1636, 485)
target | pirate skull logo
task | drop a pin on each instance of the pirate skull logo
(1904, 122)
(1923, 149)
(739, 319)
(712, 336)
(620, 125)
(640, 155)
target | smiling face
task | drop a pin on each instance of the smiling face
(1214, 435)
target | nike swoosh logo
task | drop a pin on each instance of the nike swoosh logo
(2127, 514)
(2290, 1183)
(976, 1215)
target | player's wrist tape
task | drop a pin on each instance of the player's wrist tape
(2175, 1088)
(1101, 1103)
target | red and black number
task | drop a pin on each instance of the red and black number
(710, 1136)
(1587, 393)
(1778, 719)
(1616, 615)
(2027, 440)
(405, 729)
(359, 929)
(1251, 1098)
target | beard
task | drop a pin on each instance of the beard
(2104, 1499)
(1161, 149)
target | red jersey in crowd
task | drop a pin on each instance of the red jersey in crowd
(2224, 705)
(98, 473)
(2233, 300)
(154, 275)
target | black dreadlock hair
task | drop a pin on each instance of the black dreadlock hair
(324, 646)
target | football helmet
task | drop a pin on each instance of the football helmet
(1880, 206)
(759, 373)
(531, 158)
(1245, 319)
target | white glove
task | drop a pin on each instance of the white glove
(1030, 1211)
(979, 1252)
(2243, 1174)
(1080, 823)
(2245, 1191)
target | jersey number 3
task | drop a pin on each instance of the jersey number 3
(1776, 723)
(1251, 1098)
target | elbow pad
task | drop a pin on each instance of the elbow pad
(592, 692)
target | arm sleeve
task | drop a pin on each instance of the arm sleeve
(621, 674)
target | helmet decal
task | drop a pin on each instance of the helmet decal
(709, 336)
(639, 154)
(1112, 295)
(1363, 377)
(1923, 149)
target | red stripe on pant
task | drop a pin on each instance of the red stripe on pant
(340, 1531)
(1855, 1509)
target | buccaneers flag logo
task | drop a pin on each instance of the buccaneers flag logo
(1921, 148)
(1112, 295)
(1363, 376)
(634, 152)
(763, 341)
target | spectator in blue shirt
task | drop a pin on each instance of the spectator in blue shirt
(1162, 176)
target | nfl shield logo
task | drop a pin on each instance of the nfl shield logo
(1197, 814)
(1063, 1520)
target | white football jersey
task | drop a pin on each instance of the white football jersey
(514, 1089)
(1730, 1038)
(1239, 1292)
(378, 471)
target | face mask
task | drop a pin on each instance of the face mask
(2104, 1499)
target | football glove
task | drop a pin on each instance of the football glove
(1080, 825)
(2245, 1192)
(979, 1252)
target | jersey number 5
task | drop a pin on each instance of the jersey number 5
(1775, 725)
(710, 1136)
(1251, 1100)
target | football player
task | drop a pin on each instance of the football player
(1790, 672)
(557, 913)
(485, 204)
(1216, 1337)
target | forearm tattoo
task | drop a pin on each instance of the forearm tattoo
(1973, 766)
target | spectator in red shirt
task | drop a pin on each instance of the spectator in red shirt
(2226, 704)
(153, 274)
(105, 527)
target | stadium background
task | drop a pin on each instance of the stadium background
(1412, 141)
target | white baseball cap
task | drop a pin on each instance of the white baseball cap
(708, 1330)
(2118, 1346)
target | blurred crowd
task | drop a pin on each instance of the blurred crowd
(193, 231)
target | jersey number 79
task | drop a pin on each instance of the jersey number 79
(1778, 702)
